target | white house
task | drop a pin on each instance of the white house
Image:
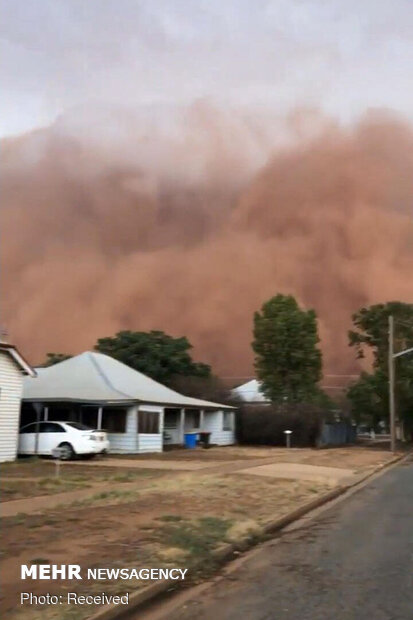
(139, 414)
(250, 392)
(12, 369)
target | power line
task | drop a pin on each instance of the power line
(341, 375)
(253, 376)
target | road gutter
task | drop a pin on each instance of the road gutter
(229, 551)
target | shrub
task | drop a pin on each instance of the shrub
(265, 424)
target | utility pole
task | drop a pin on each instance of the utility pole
(392, 403)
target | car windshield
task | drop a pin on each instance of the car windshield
(79, 427)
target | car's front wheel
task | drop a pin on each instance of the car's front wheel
(67, 452)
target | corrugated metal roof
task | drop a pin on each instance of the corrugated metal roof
(250, 392)
(94, 377)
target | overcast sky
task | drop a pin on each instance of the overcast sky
(341, 55)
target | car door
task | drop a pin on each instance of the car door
(51, 435)
(27, 436)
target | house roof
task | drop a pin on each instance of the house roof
(94, 377)
(250, 392)
(18, 358)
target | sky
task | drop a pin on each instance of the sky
(342, 56)
(181, 138)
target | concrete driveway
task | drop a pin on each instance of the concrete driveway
(301, 471)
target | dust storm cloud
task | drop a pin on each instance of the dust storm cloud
(118, 220)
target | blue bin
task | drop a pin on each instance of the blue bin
(190, 440)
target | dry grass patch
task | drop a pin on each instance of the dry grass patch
(31, 469)
(242, 530)
(19, 481)
(18, 489)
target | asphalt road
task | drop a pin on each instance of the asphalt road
(355, 561)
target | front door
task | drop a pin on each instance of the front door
(171, 427)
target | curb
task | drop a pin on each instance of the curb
(225, 552)
(136, 599)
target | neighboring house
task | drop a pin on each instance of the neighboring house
(139, 414)
(12, 369)
(250, 392)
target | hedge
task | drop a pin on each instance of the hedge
(265, 424)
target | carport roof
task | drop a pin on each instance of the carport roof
(96, 378)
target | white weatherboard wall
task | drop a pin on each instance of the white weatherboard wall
(133, 442)
(11, 383)
(213, 422)
(151, 442)
(126, 442)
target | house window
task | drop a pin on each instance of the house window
(171, 419)
(148, 422)
(227, 421)
(114, 419)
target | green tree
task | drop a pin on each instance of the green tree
(208, 388)
(153, 353)
(369, 395)
(372, 330)
(368, 398)
(55, 358)
(288, 361)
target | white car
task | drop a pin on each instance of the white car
(73, 439)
